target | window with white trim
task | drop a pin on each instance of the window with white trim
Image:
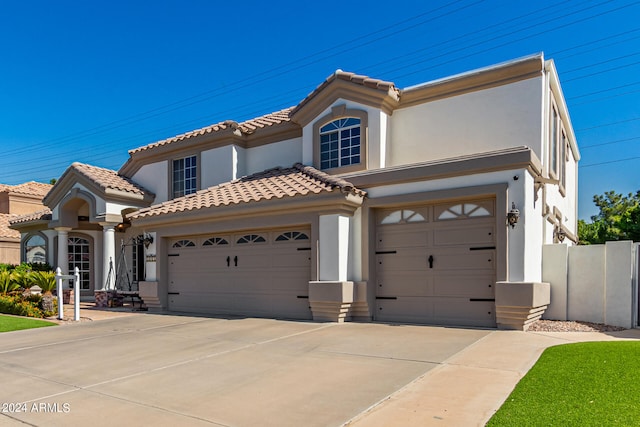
(340, 143)
(184, 176)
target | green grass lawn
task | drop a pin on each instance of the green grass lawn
(11, 323)
(583, 384)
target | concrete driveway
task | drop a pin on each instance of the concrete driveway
(191, 371)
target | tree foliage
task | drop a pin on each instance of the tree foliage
(618, 219)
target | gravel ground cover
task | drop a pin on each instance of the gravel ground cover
(571, 326)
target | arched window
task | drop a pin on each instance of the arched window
(35, 249)
(184, 243)
(464, 210)
(402, 217)
(340, 143)
(291, 235)
(251, 238)
(215, 241)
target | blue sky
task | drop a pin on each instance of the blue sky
(87, 81)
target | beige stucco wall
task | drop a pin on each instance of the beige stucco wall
(475, 122)
(593, 283)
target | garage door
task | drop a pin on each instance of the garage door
(436, 264)
(261, 273)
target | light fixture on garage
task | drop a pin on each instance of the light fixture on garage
(513, 216)
(560, 233)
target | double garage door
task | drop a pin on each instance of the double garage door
(436, 264)
(259, 273)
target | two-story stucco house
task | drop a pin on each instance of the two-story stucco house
(364, 201)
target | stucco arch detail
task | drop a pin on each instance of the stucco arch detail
(69, 206)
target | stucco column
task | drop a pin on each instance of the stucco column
(63, 249)
(109, 255)
(333, 247)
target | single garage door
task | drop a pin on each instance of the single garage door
(259, 273)
(436, 264)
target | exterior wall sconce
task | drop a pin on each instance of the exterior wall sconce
(147, 240)
(513, 216)
(560, 234)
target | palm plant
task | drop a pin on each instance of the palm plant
(7, 284)
(46, 281)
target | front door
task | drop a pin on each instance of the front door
(80, 256)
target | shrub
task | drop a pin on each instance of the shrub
(15, 304)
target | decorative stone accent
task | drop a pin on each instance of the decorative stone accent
(67, 296)
(330, 301)
(102, 298)
(518, 304)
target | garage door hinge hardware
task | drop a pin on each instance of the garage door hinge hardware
(386, 297)
(482, 299)
(482, 248)
(304, 249)
(174, 255)
(386, 252)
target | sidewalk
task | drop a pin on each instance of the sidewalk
(469, 387)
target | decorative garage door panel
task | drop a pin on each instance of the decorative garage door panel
(263, 274)
(436, 264)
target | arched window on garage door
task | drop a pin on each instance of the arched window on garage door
(215, 241)
(184, 243)
(402, 216)
(251, 238)
(291, 235)
(465, 210)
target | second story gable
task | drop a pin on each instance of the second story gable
(352, 123)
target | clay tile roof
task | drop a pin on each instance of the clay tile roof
(43, 215)
(107, 178)
(366, 81)
(31, 188)
(5, 231)
(277, 183)
(246, 127)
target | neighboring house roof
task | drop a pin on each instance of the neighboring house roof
(43, 215)
(247, 127)
(277, 183)
(7, 233)
(31, 188)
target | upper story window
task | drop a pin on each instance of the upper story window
(340, 143)
(184, 176)
(340, 140)
(558, 148)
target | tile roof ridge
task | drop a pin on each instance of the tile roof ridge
(334, 181)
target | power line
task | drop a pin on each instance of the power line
(583, 147)
(609, 162)
(608, 124)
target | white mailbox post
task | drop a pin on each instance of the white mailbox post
(76, 294)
